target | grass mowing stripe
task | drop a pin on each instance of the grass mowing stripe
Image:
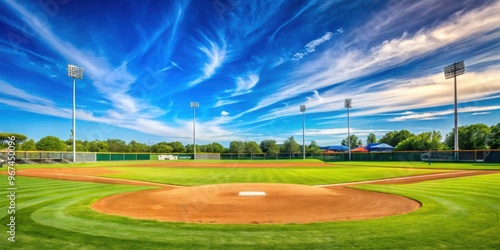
(421, 164)
(306, 176)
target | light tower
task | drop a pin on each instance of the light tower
(303, 110)
(194, 105)
(450, 71)
(74, 72)
(347, 105)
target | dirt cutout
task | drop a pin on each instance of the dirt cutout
(283, 203)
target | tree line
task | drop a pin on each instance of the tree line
(471, 137)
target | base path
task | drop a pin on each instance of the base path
(283, 203)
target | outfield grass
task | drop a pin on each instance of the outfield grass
(307, 176)
(423, 165)
(388, 164)
(460, 213)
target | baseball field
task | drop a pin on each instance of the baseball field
(292, 204)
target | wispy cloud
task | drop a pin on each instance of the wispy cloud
(311, 46)
(113, 83)
(224, 102)
(294, 17)
(481, 113)
(13, 92)
(334, 67)
(398, 95)
(244, 84)
(442, 113)
(215, 54)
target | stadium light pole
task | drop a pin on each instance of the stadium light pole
(454, 70)
(194, 105)
(347, 105)
(303, 110)
(74, 72)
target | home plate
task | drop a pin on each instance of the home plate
(252, 193)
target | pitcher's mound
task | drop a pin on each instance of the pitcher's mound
(282, 203)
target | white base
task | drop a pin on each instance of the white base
(252, 193)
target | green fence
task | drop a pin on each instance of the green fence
(122, 157)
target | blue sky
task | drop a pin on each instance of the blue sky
(250, 65)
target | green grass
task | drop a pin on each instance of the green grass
(307, 176)
(460, 213)
(420, 164)
(392, 164)
(146, 162)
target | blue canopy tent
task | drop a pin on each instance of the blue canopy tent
(379, 147)
(338, 148)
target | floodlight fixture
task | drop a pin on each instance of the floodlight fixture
(454, 70)
(74, 72)
(347, 105)
(194, 105)
(303, 110)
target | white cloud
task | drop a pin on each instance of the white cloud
(439, 114)
(334, 66)
(311, 46)
(400, 96)
(224, 113)
(481, 113)
(215, 54)
(224, 102)
(9, 90)
(246, 83)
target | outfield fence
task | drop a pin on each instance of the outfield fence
(433, 156)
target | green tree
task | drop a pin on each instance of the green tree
(189, 148)
(97, 146)
(116, 145)
(470, 137)
(178, 147)
(237, 147)
(162, 147)
(269, 147)
(314, 148)
(372, 138)
(81, 146)
(5, 137)
(218, 148)
(252, 148)
(494, 138)
(50, 143)
(28, 145)
(290, 146)
(354, 141)
(137, 147)
(421, 142)
(394, 137)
